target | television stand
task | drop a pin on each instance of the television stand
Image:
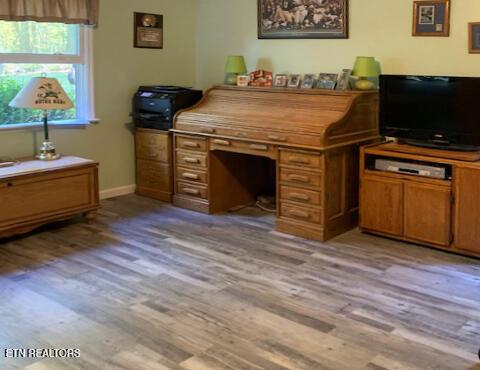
(441, 146)
(440, 213)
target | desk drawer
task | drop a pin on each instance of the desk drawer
(300, 178)
(44, 195)
(191, 143)
(301, 159)
(308, 197)
(189, 159)
(191, 190)
(154, 175)
(300, 213)
(188, 174)
(154, 146)
(245, 147)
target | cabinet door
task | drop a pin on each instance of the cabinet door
(467, 209)
(427, 213)
(381, 205)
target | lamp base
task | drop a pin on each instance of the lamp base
(363, 84)
(231, 79)
(47, 152)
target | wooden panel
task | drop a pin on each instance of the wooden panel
(427, 212)
(46, 194)
(381, 205)
(152, 145)
(467, 209)
(188, 174)
(300, 178)
(191, 143)
(300, 195)
(188, 159)
(244, 147)
(301, 159)
(154, 179)
(191, 190)
(300, 213)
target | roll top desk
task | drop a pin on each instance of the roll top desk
(312, 135)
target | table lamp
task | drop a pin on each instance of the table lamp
(46, 94)
(364, 68)
(235, 66)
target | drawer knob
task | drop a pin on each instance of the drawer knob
(9, 184)
(190, 176)
(221, 142)
(277, 138)
(191, 144)
(299, 160)
(191, 191)
(191, 160)
(208, 130)
(298, 196)
(299, 178)
(259, 147)
(241, 134)
(298, 214)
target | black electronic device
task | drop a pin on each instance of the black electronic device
(155, 106)
(432, 111)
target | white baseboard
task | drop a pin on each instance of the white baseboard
(117, 192)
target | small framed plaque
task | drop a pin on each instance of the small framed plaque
(148, 29)
(474, 37)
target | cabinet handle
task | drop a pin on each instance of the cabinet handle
(298, 178)
(222, 142)
(191, 144)
(298, 214)
(191, 176)
(259, 147)
(191, 191)
(277, 138)
(298, 196)
(241, 134)
(299, 160)
(207, 130)
(9, 184)
(191, 160)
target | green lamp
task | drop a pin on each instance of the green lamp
(364, 68)
(235, 66)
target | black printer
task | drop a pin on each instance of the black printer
(155, 106)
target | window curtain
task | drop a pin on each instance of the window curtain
(61, 11)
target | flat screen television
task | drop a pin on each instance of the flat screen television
(432, 111)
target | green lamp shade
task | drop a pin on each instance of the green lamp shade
(236, 64)
(365, 67)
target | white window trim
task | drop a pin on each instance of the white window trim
(87, 107)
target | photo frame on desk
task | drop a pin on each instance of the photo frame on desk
(431, 18)
(148, 31)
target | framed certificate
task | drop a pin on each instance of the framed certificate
(148, 29)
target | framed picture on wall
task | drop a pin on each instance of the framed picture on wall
(302, 19)
(474, 38)
(148, 31)
(431, 18)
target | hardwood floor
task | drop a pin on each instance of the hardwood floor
(149, 286)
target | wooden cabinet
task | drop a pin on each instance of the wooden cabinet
(153, 151)
(440, 213)
(381, 203)
(467, 209)
(34, 193)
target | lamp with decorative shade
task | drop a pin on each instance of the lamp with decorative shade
(46, 94)
(364, 68)
(235, 66)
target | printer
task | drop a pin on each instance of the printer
(154, 107)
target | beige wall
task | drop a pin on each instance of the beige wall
(119, 70)
(381, 28)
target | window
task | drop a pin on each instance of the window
(30, 49)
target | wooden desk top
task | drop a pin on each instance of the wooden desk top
(32, 166)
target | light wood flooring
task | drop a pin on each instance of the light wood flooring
(149, 286)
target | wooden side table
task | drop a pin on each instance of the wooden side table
(34, 193)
